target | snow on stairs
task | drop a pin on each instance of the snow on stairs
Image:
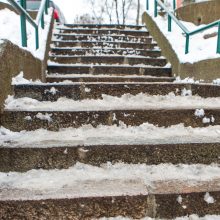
(93, 164)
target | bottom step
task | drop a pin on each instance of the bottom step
(86, 192)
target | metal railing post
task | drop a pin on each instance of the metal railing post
(37, 37)
(155, 8)
(187, 44)
(218, 43)
(42, 21)
(169, 23)
(23, 25)
(46, 7)
(147, 4)
(174, 4)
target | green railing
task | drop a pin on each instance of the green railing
(171, 16)
(21, 8)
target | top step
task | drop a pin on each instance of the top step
(102, 31)
(121, 26)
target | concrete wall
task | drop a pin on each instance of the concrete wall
(14, 59)
(206, 70)
(200, 13)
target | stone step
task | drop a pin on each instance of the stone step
(103, 44)
(95, 37)
(62, 155)
(17, 120)
(108, 78)
(127, 32)
(135, 60)
(118, 70)
(108, 26)
(98, 51)
(79, 91)
(54, 194)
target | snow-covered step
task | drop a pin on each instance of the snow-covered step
(130, 60)
(109, 26)
(107, 37)
(104, 78)
(117, 70)
(57, 115)
(62, 154)
(103, 31)
(103, 44)
(102, 51)
(87, 192)
(79, 91)
(147, 144)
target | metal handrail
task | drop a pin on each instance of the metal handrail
(25, 16)
(171, 16)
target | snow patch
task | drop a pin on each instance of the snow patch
(199, 113)
(209, 199)
(44, 117)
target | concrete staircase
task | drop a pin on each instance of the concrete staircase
(87, 156)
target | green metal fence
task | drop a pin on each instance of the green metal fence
(21, 8)
(171, 16)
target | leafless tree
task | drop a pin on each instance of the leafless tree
(109, 7)
(121, 9)
(85, 19)
(116, 10)
(126, 4)
(97, 10)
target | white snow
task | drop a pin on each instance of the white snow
(11, 30)
(200, 113)
(216, 81)
(179, 199)
(206, 120)
(200, 48)
(44, 117)
(186, 80)
(87, 135)
(52, 91)
(126, 101)
(208, 198)
(20, 80)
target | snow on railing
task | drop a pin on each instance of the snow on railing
(171, 16)
(21, 8)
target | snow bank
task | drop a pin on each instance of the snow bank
(199, 49)
(11, 30)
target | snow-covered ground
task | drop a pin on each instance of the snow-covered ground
(199, 49)
(11, 30)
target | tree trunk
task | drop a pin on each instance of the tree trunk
(138, 12)
(116, 9)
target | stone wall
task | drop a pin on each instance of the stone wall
(200, 13)
(14, 59)
(206, 70)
